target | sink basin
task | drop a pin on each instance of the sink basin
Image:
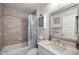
(56, 47)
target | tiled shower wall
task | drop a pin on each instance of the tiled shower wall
(1, 27)
(15, 26)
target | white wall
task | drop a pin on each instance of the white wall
(68, 22)
(46, 11)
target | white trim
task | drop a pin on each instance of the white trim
(64, 7)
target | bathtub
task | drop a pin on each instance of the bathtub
(15, 49)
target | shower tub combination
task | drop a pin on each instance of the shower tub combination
(22, 48)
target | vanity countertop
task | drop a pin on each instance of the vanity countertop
(44, 44)
(56, 49)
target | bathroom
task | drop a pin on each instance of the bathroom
(39, 29)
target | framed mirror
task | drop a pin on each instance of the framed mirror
(41, 21)
(56, 20)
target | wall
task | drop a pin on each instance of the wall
(15, 26)
(46, 32)
(46, 10)
(70, 24)
(1, 27)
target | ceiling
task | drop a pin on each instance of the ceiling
(25, 7)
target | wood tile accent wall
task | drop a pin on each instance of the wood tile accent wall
(1, 27)
(15, 26)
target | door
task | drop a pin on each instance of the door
(69, 27)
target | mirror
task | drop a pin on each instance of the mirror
(64, 24)
(41, 21)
